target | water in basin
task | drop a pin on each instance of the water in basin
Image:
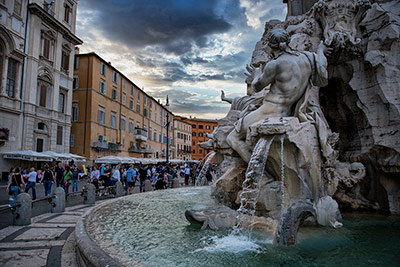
(151, 230)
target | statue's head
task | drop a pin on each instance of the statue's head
(278, 39)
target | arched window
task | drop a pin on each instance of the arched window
(44, 89)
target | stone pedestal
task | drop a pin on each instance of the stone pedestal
(89, 194)
(58, 200)
(175, 183)
(147, 186)
(119, 189)
(23, 209)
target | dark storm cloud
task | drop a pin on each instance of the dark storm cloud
(173, 25)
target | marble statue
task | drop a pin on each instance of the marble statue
(319, 129)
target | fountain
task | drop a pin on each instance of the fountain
(316, 140)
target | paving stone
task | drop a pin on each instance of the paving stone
(24, 258)
(64, 219)
(41, 233)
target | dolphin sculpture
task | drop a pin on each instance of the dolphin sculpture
(215, 219)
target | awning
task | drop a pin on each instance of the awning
(28, 155)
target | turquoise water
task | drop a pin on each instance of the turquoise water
(151, 230)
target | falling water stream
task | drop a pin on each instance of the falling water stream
(250, 193)
(282, 173)
(201, 178)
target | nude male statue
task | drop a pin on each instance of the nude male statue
(289, 75)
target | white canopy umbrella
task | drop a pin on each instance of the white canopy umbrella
(57, 156)
(28, 155)
(76, 157)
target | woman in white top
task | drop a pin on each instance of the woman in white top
(116, 175)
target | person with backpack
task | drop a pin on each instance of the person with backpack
(131, 178)
(15, 183)
(47, 179)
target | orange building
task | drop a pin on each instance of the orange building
(199, 129)
(113, 116)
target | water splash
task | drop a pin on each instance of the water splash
(201, 178)
(282, 172)
(231, 243)
(251, 185)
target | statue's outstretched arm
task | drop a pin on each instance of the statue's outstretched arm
(224, 98)
(264, 76)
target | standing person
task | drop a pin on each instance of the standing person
(116, 176)
(10, 193)
(187, 175)
(59, 174)
(47, 179)
(131, 178)
(14, 184)
(107, 178)
(75, 179)
(142, 176)
(67, 178)
(31, 182)
(94, 177)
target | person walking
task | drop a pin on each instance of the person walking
(59, 174)
(75, 179)
(15, 183)
(130, 178)
(116, 176)
(142, 176)
(31, 182)
(11, 173)
(47, 179)
(187, 175)
(67, 178)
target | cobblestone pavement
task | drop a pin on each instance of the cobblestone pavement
(47, 241)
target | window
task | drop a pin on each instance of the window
(159, 138)
(208, 127)
(200, 151)
(103, 69)
(193, 134)
(138, 107)
(75, 113)
(115, 77)
(18, 7)
(59, 135)
(65, 59)
(102, 87)
(200, 134)
(47, 42)
(43, 96)
(150, 115)
(67, 13)
(200, 126)
(179, 135)
(123, 83)
(155, 135)
(71, 140)
(1, 59)
(144, 99)
(194, 126)
(131, 89)
(102, 116)
(41, 126)
(76, 63)
(123, 99)
(145, 112)
(39, 145)
(123, 126)
(194, 151)
(113, 120)
(151, 104)
(61, 99)
(164, 139)
(138, 95)
(123, 142)
(130, 126)
(131, 105)
(11, 77)
(75, 82)
(114, 94)
(150, 133)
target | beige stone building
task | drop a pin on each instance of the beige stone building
(111, 115)
(182, 138)
(37, 40)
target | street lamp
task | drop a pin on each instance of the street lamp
(167, 125)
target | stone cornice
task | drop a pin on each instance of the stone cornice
(54, 23)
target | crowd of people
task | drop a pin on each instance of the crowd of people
(103, 177)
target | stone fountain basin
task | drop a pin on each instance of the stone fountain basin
(150, 229)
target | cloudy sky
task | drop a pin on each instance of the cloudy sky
(186, 49)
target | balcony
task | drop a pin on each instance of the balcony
(114, 147)
(103, 145)
(141, 150)
(141, 134)
(100, 145)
